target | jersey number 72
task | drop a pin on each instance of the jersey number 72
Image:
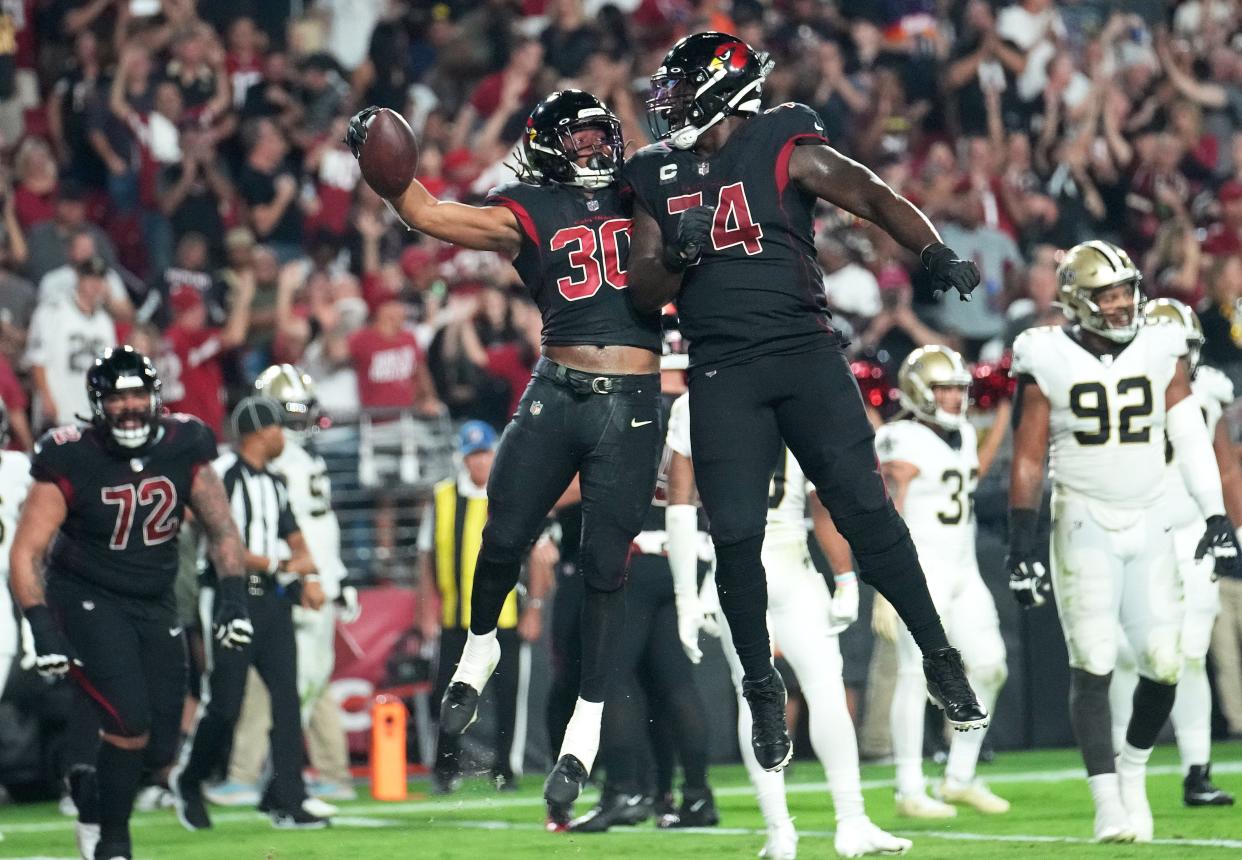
(158, 527)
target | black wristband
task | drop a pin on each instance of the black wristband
(40, 618)
(934, 254)
(673, 261)
(1023, 524)
(231, 589)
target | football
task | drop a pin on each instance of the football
(389, 156)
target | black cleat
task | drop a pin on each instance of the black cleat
(559, 815)
(459, 708)
(952, 693)
(665, 810)
(613, 810)
(698, 809)
(565, 782)
(1198, 790)
(188, 802)
(769, 734)
(296, 819)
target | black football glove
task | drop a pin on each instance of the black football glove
(53, 654)
(1221, 543)
(692, 233)
(948, 271)
(1028, 578)
(356, 134)
(231, 625)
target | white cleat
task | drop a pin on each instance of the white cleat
(975, 794)
(922, 806)
(858, 837)
(782, 843)
(319, 807)
(1112, 825)
(1134, 799)
(87, 837)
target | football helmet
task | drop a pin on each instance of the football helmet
(1088, 268)
(1171, 311)
(116, 371)
(548, 152)
(703, 79)
(925, 370)
(295, 392)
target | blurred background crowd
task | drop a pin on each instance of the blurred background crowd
(173, 175)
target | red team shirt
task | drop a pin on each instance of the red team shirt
(386, 369)
(193, 378)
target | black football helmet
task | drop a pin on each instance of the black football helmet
(119, 370)
(704, 78)
(549, 153)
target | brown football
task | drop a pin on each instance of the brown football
(389, 157)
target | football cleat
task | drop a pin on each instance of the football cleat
(975, 794)
(1198, 789)
(858, 837)
(782, 842)
(769, 733)
(319, 807)
(188, 802)
(922, 806)
(665, 808)
(459, 708)
(613, 810)
(565, 782)
(1112, 824)
(296, 819)
(951, 691)
(87, 837)
(698, 809)
(559, 816)
(1134, 800)
(232, 794)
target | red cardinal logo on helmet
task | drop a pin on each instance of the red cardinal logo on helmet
(732, 55)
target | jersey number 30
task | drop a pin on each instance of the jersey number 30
(158, 527)
(590, 271)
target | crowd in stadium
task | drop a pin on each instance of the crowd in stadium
(175, 176)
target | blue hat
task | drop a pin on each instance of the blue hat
(475, 436)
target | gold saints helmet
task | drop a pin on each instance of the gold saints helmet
(295, 392)
(925, 370)
(1088, 268)
(1173, 312)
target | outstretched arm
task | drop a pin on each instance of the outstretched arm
(652, 284)
(211, 509)
(483, 228)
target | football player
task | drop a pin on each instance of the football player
(1192, 706)
(932, 463)
(15, 481)
(723, 221)
(806, 620)
(1099, 396)
(592, 407)
(112, 495)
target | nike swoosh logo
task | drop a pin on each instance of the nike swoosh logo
(174, 631)
(636, 423)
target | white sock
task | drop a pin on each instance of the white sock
(1132, 761)
(1105, 789)
(478, 659)
(833, 737)
(1192, 715)
(906, 721)
(582, 733)
(1121, 698)
(963, 757)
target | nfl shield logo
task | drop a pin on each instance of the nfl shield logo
(592, 205)
(136, 464)
(536, 407)
(703, 168)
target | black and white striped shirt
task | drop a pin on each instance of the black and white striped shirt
(260, 505)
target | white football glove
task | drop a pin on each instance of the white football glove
(689, 622)
(234, 633)
(884, 620)
(709, 600)
(844, 608)
(349, 608)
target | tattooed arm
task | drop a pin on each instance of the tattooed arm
(211, 509)
(41, 517)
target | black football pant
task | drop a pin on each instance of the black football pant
(133, 674)
(739, 416)
(503, 687)
(654, 683)
(273, 652)
(613, 443)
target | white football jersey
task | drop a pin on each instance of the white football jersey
(939, 507)
(64, 342)
(15, 482)
(787, 492)
(1106, 429)
(1213, 390)
(310, 498)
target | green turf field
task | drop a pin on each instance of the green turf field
(1051, 817)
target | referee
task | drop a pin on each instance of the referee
(260, 506)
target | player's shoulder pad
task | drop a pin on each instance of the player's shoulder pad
(57, 453)
(191, 435)
(1171, 339)
(1214, 384)
(893, 440)
(678, 437)
(793, 119)
(513, 190)
(1033, 346)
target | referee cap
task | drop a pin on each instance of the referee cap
(254, 413)
(475, 436)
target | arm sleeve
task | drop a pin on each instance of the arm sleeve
(1195, 456)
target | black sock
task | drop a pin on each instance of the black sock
(84, 790)
(603, 618)
(119, 772)
(742, 586)
(1091, 718)
(1153, 702)
(493, 580)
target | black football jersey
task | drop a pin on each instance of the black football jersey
(574, 256)
(124, 512)
(757, 289)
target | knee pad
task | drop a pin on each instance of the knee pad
(604, 557)
(1162, 658)
(734, 559)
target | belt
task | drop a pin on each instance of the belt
(582, 382)
(258, 584)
